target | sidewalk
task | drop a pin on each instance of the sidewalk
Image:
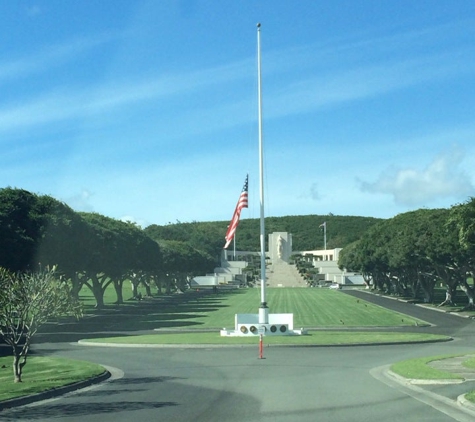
(455, 366)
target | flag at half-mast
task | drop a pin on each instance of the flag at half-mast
(242, 203)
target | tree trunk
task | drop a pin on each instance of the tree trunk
(18, 364)
(135, 289)
(16, 369)
(148, 290)
(99, 296)
(367, 280)
(118, 284)
(168, 282)
(450, 292)
(469, 291)
(97, 291)
(98, 284)
(158, 284)
(427, 284)
(77, 283)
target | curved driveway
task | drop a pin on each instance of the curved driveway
(334, 384)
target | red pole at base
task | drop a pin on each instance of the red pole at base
(261, 347)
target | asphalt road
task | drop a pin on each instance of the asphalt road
(334, 384)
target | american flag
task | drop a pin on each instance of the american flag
(242, 203)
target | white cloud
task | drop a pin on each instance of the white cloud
(81, 201)
(441, 179)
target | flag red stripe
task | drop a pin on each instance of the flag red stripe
(242, 203)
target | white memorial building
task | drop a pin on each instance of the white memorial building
(278, 256)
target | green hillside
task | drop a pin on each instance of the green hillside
(306, 233)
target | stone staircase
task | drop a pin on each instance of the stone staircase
(282, 274)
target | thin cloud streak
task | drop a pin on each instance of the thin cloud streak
(301, 97)
(51, 57)
(361, 83)
(324, 90)
(76, 104)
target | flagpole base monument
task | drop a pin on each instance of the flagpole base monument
(264, 323)
(248, 325)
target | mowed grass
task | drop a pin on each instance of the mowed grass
(419, 369)
(311, 308)
(330, 308)
(313, 338)
(42, 374)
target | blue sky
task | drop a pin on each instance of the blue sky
(147, 110)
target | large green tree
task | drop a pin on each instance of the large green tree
(462, 221)
(37, 230)
(19, 229)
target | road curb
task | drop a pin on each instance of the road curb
(415, 381)
(55, 392)
(462, 401)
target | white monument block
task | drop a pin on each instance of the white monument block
(280, 246)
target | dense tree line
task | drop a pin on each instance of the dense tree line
(407, 254)
(412, 252)
(94, 251)
(38, 231)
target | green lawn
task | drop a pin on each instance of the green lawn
(328, 308)
(311, 308)
(42, 373)
(419, 369)
(469, 363)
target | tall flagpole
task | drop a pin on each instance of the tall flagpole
(324, 224)
(263, 309)
(325, 235)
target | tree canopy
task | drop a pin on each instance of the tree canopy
(409, 253)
